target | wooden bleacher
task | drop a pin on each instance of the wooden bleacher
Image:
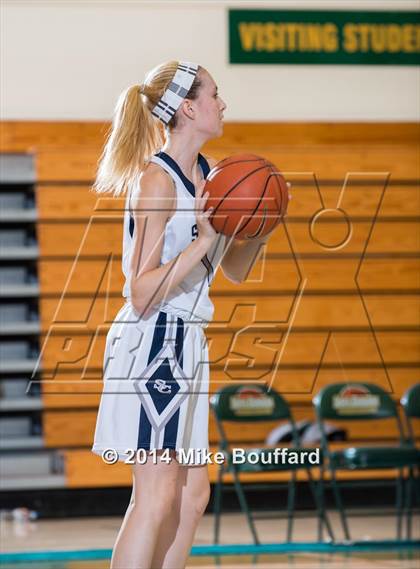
(357, 313)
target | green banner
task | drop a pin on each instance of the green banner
(324, 37)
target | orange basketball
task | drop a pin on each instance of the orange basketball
(248, 194)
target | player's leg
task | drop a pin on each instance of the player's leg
(154, 487)
(177, 535)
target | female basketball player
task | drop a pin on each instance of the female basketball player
(155, 397)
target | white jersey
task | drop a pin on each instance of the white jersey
(190, 299)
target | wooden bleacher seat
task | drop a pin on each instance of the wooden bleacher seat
(81, 279)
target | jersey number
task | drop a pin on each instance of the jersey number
(194, 231)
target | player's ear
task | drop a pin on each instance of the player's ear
(188, 109)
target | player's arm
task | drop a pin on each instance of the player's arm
(239, 256)
(151, 282)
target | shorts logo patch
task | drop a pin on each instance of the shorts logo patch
(160, 385)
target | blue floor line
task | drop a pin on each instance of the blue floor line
(215, 550)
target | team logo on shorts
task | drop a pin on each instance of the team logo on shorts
(161, 386)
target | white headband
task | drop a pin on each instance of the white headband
(176, 92)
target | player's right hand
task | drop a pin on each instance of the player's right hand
(205, 228)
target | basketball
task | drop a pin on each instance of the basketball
(248, 194)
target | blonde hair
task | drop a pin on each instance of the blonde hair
(135, 134)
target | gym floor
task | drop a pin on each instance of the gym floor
(81, 534)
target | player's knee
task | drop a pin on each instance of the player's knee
(199, 501)
(204, 499)
(163, 503)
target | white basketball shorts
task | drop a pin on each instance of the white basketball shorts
(155, 385)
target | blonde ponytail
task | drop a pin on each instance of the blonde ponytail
(136, 134)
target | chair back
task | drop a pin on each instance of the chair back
(249, 403)
(411, 402)
(354, 402)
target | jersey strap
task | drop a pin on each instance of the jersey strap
(169, 161)
(204, 165)
(174, 166)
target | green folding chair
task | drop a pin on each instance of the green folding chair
(356, 402)
(410, 402)
(256, 403)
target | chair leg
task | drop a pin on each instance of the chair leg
(244, 506)
(399, 502)
(408, 502)
(416, 478)
(218, 504)
(339, 503)
(320, 508)
(291, 505)
(321, 495)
